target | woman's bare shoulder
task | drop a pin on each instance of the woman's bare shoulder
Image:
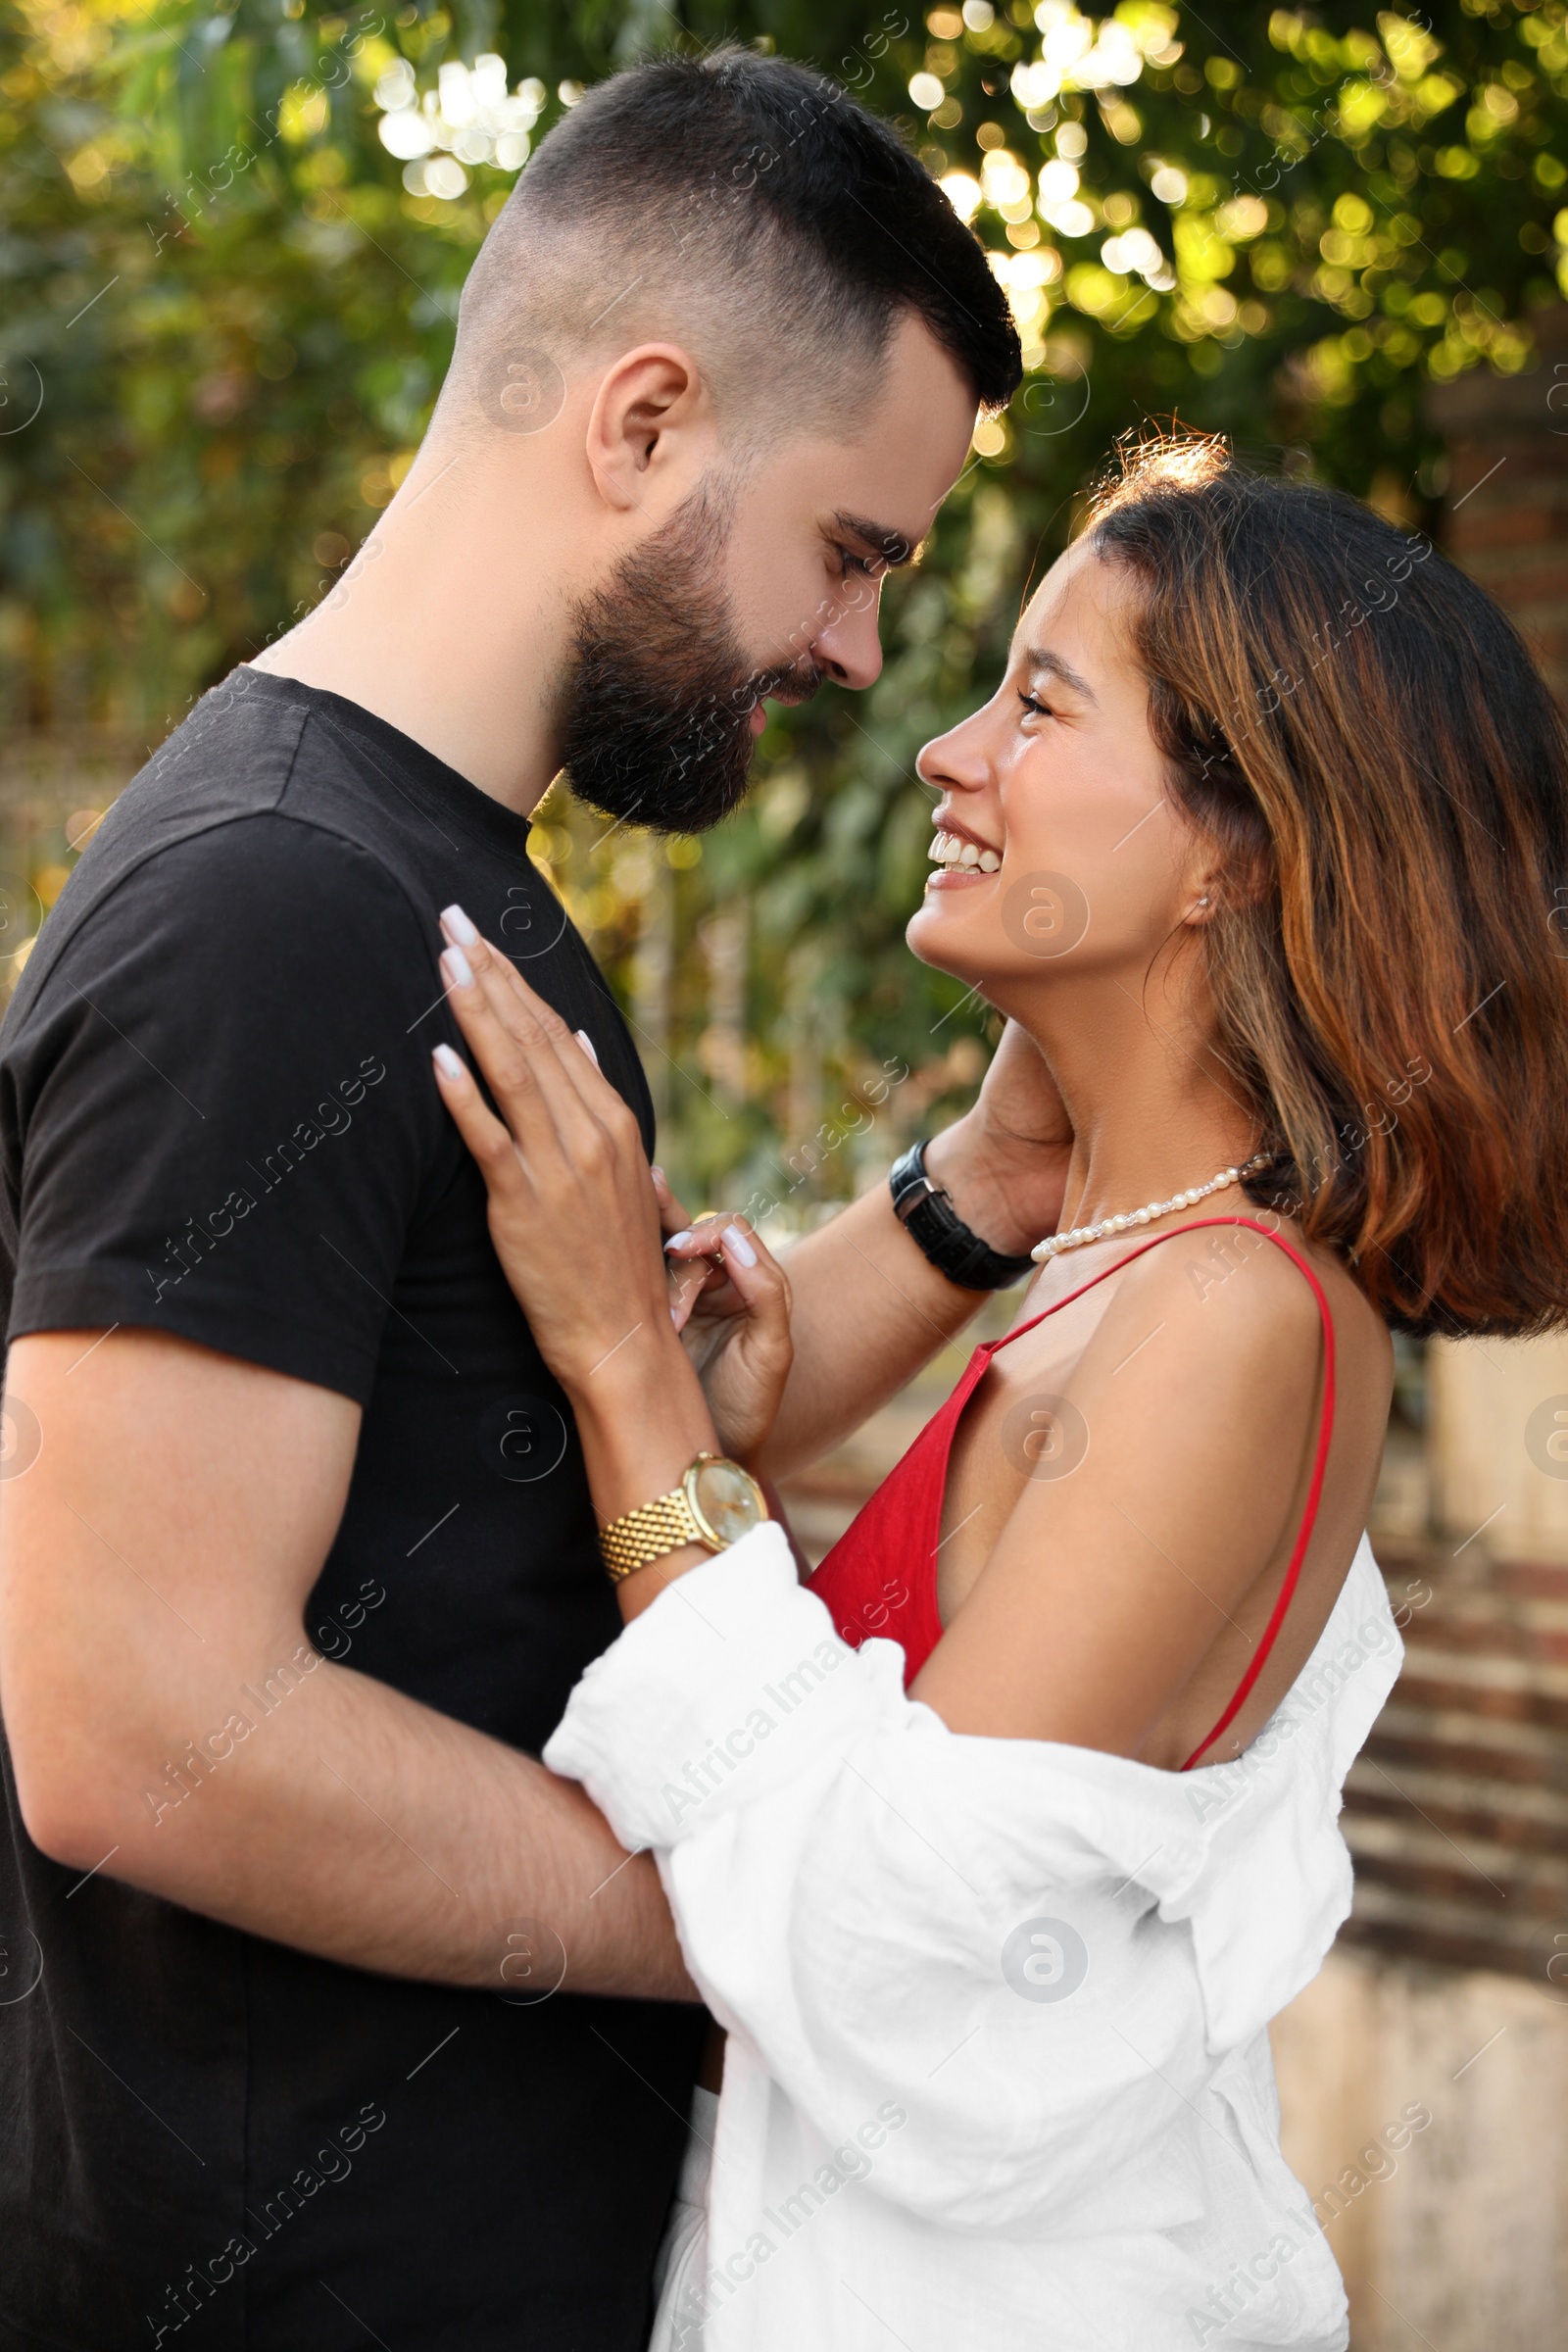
(1237, 1284)
(1217, 1288)
(1179, 1441)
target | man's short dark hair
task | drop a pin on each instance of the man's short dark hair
(750, 197)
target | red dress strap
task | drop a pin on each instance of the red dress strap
(894, 1536)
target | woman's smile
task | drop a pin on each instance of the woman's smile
(959, 858)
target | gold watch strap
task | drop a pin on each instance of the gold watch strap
(638, 1537)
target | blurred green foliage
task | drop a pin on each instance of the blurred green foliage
(232, 247)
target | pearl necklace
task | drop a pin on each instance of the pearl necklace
(1057, 1243)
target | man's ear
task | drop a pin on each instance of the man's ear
(652, 431)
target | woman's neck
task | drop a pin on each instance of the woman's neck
(1151, 1111)
(1113, 1177)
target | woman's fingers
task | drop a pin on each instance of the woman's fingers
(577, 1153)
(477, 977)
(524, 1014)
(720, 1260)
(486, 1135)
(696, 1269)
(510, 1065)
(703, 1239)
(547, 1087)
(755, 1273)
(720, 1242)
(672, 1218)
(736, 1256)
(688, 1281)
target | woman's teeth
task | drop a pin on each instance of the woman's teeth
(951, 848)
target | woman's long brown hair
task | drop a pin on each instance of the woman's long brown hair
(1363, 733)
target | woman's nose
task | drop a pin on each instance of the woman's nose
(952, 761)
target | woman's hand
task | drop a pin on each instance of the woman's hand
(737, 1337)
(576, 1223)
(575, 1226)
(572, 1212)
(1004, 1163)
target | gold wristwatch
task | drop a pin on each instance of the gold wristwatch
(715, 1504)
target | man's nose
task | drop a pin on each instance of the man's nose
(849, 646)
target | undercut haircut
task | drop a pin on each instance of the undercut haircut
(748, 207)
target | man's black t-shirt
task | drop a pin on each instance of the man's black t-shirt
(218, 1120)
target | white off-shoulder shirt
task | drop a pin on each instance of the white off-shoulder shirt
(998, 2073)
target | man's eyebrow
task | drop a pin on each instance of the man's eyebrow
(1043, 662)
(891, 546)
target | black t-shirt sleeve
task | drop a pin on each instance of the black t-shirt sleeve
(223, 1119)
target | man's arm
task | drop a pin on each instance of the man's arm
(867, 1307)
(155, 1562)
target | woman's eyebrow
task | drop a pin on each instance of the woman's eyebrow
(1041, 662)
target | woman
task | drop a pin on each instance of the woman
(1255, 846)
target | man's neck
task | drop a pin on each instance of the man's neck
(426, 629)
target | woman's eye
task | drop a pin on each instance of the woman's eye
(850, 561)
(1033, 703)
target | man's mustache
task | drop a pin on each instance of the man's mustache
(791, 682)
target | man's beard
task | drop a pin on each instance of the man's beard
(656, 710)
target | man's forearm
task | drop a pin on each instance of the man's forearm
(352, 1822)
(169, 1724)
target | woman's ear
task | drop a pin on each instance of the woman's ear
(651, 433)
(1206, 889)
(1241, 879)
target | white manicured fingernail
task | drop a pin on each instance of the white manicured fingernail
(458, 923)
(676, 1238)
(658, 1174)
(455, 968)
(446, 1061)
(735, 1240)
(587, 1045)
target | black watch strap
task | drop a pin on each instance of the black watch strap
(928, 1216)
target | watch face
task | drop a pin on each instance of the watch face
(726, 1500)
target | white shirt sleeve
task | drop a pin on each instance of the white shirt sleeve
(887, 1911)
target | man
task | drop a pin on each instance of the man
(328, 2017)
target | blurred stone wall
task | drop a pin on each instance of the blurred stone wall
(1426, 2114)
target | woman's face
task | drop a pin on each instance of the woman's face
(1074, 860)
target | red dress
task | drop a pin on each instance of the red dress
(881, 1576)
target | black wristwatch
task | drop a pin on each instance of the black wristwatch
(928, 1216)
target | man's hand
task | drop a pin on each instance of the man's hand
(155, 1562)
(1005, 1163)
